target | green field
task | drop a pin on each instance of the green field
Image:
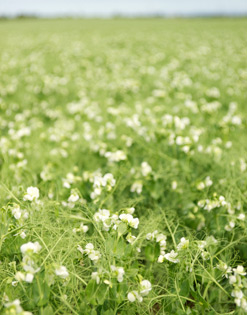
(123, 166)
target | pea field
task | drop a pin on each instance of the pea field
(123, 166)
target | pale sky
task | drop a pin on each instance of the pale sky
(128, 7)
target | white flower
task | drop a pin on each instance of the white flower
(62, 272)
(161, 258)
(200, 186)
(241, 216)
(222, 200)
(151, 236)
(145, 169)
(134, 223)
(16, 211)
(183, 244)
(119, 272)
(108, 283)
(32, 194)
(102, 215)
(83, 228)
(202, 244)
(186, 149)
(22, 234)
(80, 249)
(230, 226)
(243, 165)
(237, 302)
(73, 197)
(213, 92)
(237, 293)
(70, 179)
(224, 268)
(109, 179)
(236, 120)
(94, 255)
(244, 304)
(20, 276)
(228, 144)
(125, 217)
(29, 265)
(239, 270)
(29, 277)
(205, 255)
(136, 187)
(15, 308)
(130, 238)
(115, 156)
(16, 304)
(174, 185)
(232, 279)
(211, 240)
(89, 247)
(128, 218)
(131, 297)
(146, 287)
(95, 276)
(208, 181)
(130, 210)
(30, 248)
(134, 295)
(172, 257)
(160, 238)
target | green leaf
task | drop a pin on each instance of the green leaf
(122, 290)
(120, 248)
(108, 312)
(122, 228)
(128, 250)
(199, 299)
(185, 288)
(90, 291)
(152, 252)
(41, 291)
(109, 244)
(47, 310)
(101, 293)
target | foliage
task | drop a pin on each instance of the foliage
(123, 166)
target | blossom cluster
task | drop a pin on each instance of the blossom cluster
(109, 220)
(172, 256)
(237, 279)
(144, 289)
(89, 251)
(29, 252)
(99, 182)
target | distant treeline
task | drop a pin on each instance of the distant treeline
(19, 17)
(121, 16)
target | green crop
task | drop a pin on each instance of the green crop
(123, 166)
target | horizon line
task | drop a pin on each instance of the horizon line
(122, 15)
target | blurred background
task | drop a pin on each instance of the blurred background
(129, 8)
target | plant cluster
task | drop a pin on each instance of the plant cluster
(123, 165)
